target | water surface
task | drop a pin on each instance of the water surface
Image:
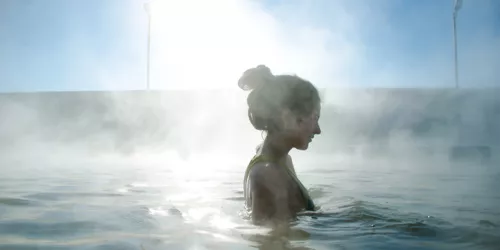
(192, 205)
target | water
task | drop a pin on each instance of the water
(199, 205)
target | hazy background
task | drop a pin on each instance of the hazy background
(366, 122)
(355, 51)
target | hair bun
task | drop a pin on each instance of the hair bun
(255, 77)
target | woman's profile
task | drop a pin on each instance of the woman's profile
(287, 108)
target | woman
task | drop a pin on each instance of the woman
(288, 109)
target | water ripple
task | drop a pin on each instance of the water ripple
(6, 201)
(139, 209)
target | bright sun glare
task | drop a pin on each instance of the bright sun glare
(202, 44)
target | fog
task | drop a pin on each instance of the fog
(380, 100)
(374, 124)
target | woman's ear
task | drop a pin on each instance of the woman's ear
(289, 120)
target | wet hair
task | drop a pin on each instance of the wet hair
(271, 94)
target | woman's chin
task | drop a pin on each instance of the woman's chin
(304, 146)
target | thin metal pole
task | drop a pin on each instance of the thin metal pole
(455, 47)
(147, 8)
(149, 50)
(458, 6)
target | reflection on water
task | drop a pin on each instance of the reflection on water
(363, 206)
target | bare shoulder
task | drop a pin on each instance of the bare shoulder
(265, 174)
(263, 170)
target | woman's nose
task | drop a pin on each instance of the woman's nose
(317, 131)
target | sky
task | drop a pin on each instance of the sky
(73, 45)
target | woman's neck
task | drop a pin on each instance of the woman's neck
(275, 146)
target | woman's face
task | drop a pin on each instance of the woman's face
(307, 126)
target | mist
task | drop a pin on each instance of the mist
(358, 125)
(377, 101)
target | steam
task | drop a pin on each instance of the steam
(199, 52)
